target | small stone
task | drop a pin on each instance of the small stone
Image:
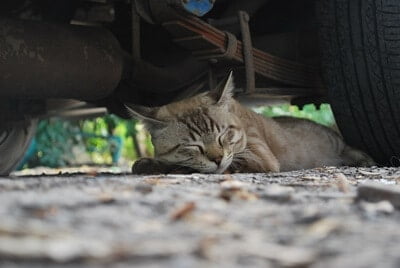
(106, 198)
(45, 212)
(204, 246)
(144, 188)
(234, 189)
(374, 209)
(229, 194)
(278, 192)
(232, 184)
(324, 227)
(309, 215)
(283, 256)
(374, 192)
(342, 183)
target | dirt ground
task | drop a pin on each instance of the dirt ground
(326, 217)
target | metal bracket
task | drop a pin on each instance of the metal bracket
(247, 51)
(136, 42)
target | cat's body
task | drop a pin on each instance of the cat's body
(212, 133)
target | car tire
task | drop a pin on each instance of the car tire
(15, 138)
(360, 57)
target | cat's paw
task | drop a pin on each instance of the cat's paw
(149, 166)
(357, 158)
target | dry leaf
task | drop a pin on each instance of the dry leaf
(183, 211)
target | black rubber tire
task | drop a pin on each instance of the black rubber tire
(360, 47)
(14, 141)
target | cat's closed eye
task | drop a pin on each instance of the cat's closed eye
(228, 137)
(195, 147)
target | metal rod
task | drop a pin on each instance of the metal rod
(247, 51)
(136, 49)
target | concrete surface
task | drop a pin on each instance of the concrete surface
(326, 217)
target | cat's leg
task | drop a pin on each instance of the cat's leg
(354, 157)
(258, 158)
(149, 166)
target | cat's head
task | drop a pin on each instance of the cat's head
(200, 132)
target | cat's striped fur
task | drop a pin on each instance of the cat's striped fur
(212, 133)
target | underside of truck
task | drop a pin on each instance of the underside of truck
(77, 58)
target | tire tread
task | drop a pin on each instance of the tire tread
(360, 42)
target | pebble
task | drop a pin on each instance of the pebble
(144, 188)
(278, 193)
(374, 209)
(342, 183)
(374, 192)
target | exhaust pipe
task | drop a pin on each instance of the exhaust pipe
(40, 60)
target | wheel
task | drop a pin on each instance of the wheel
(14, 141)
(360, 47)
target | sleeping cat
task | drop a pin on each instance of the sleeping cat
(213, 133)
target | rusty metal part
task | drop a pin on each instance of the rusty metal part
(247, 51)
(41, 60)
(207, 42)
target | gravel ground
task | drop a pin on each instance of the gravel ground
(326, 217)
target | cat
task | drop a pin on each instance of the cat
(213, 133)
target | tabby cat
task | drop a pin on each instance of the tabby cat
(213, 133)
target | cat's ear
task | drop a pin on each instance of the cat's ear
(146, 114)
(224, 91)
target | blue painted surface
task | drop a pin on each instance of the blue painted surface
(198, 7)
(32, 149)
(116, 144)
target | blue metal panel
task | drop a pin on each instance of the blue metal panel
(198, 7)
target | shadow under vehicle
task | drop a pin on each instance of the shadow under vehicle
(85, 57)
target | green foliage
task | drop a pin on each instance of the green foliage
(103, 140)
(100, 138)
(322, 116)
